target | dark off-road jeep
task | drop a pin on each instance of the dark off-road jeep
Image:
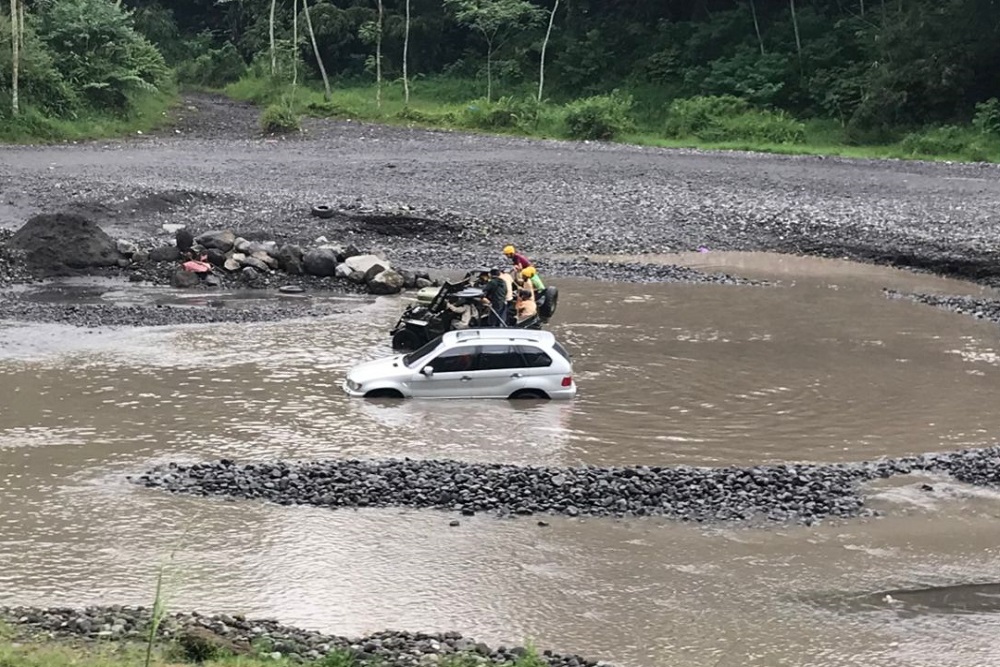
(425, 320)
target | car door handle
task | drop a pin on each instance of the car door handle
(516, 375)
(465, 378)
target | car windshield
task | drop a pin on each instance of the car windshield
(418, 354)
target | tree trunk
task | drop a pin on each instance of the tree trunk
(378, 57)
(489, 70)
(274, 53)
(15, 53)
(319, 59)
(295, 42)
(756, 25)
(795, 25)
(541, 66)
(406, 52)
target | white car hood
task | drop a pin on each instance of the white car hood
(380, 369)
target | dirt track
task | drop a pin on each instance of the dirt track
(213, 169)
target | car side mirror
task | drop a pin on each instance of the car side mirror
(428, 371)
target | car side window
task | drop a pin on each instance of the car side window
(455, 360)
(498, 357)
(534, 357)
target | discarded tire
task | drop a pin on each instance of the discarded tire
(547, 308)
(322, 211)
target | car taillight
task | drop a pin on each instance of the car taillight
(567, 381)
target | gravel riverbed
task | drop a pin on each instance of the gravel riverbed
(238, 634)
(979, 308)
(787, 492)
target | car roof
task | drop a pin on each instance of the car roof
(496, 334)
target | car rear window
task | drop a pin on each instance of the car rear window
(534, 357)
(561, 350)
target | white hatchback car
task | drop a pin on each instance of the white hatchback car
(471, 363)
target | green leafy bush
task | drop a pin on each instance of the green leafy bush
(691, 116)
(98, 53)
(945, 140)
(504, 113)
(601, 117)
(279, 118)
(987, 117)
(725, 118)
(214, 68)
(40, 82)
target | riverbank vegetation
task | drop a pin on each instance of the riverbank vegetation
(899, 78)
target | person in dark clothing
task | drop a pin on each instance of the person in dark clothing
(495, 294)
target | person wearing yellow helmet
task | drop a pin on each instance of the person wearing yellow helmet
(519, 260)
(530, 275)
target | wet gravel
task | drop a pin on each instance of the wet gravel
(542, 196)
(266, 637)
(787, 492)
(979, 308)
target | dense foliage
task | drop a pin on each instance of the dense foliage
(711, 69)
(77, 57)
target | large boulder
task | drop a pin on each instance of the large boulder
(386, 282)
(320, 261)
(221, 240)
(290, 259)
(265, 258)
(216, 257)
(183, 239)
(367, 266)
(63, 243)
(256, 264)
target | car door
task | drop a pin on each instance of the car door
(498, 371)
(537, 371)
(452, 376)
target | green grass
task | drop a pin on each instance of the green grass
(445, 103)
(149, 112)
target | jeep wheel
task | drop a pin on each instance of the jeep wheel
(407, 340)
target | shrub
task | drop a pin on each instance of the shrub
(601, 117)
(691, 116)
(213, 68)
(504, 113)
(725, 118)
(279, 118)
(987, 117)
(946, 140)
(97, 51)
(426, 118)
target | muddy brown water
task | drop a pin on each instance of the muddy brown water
(819, 367)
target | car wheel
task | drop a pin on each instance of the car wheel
(322, 211)
(384, 393)
(529, 393)
(404, 339)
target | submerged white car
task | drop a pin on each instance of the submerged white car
(471, 363)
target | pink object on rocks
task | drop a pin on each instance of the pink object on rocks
(197, 267)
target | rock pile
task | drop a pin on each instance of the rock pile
(199, 636)
(13, 267)
(981, 309)
(787, 492)
(231, 255)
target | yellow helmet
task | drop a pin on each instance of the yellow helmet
(508, 250)
(528, 272)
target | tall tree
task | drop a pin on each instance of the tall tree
(274, 52)
(406, 55)
(545, 43)
(371, 33)
(295, 42)
(495, 20)
(319, 58)
(15, 41)
(756, 25)
(795, 26)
